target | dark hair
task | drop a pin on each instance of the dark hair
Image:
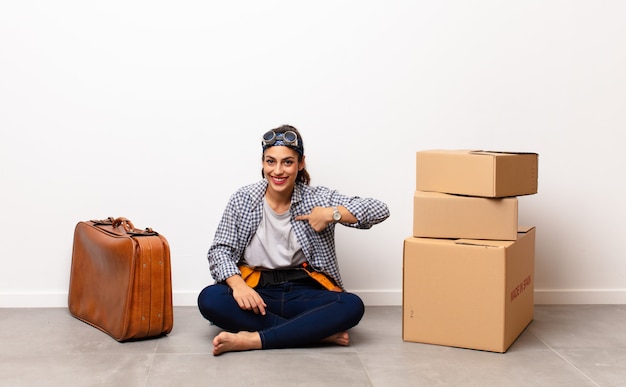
(303, 174)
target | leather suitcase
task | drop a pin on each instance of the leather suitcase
(120, 279)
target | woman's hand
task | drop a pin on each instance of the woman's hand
(318, 218)
(247, 298)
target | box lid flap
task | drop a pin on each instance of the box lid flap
(483, 242)
(485, 152)
(490, 243)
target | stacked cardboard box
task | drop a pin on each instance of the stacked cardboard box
(468, 269)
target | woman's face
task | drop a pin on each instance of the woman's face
(280, 168)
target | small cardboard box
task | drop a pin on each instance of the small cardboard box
(468, 293)
(439, 215)
(477, 173)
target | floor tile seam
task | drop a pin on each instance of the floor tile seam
(615, 345)
(191, 353)
(378, 349)
(562, 357)
(365, 369)
(291, 351)
(150, 366)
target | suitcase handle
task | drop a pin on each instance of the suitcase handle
(130, 229)
(128, 225)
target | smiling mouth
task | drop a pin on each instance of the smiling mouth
(278, 180)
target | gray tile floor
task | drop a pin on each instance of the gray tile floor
(566, 345)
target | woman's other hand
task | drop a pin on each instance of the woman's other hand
(246, 297)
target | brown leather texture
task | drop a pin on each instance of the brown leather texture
(120, 279)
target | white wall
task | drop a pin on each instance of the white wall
(154, 110)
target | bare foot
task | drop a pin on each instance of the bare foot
(339, 338)
(241, 341)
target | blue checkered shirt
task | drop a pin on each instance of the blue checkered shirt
(244, 211)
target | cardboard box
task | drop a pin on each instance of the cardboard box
(477, 173)
(468, 293)
(439, 215)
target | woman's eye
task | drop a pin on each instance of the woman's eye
(288, 162)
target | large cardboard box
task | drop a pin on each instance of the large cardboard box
(439, 215)
(468, 293)
(477, 173)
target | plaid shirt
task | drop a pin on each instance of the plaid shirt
(244, 211)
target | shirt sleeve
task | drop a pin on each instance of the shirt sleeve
(225, 251)
(368, 211)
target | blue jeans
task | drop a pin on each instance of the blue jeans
(298, 313)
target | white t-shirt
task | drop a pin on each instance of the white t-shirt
(274, 246)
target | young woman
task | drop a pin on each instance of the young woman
(273, 257)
